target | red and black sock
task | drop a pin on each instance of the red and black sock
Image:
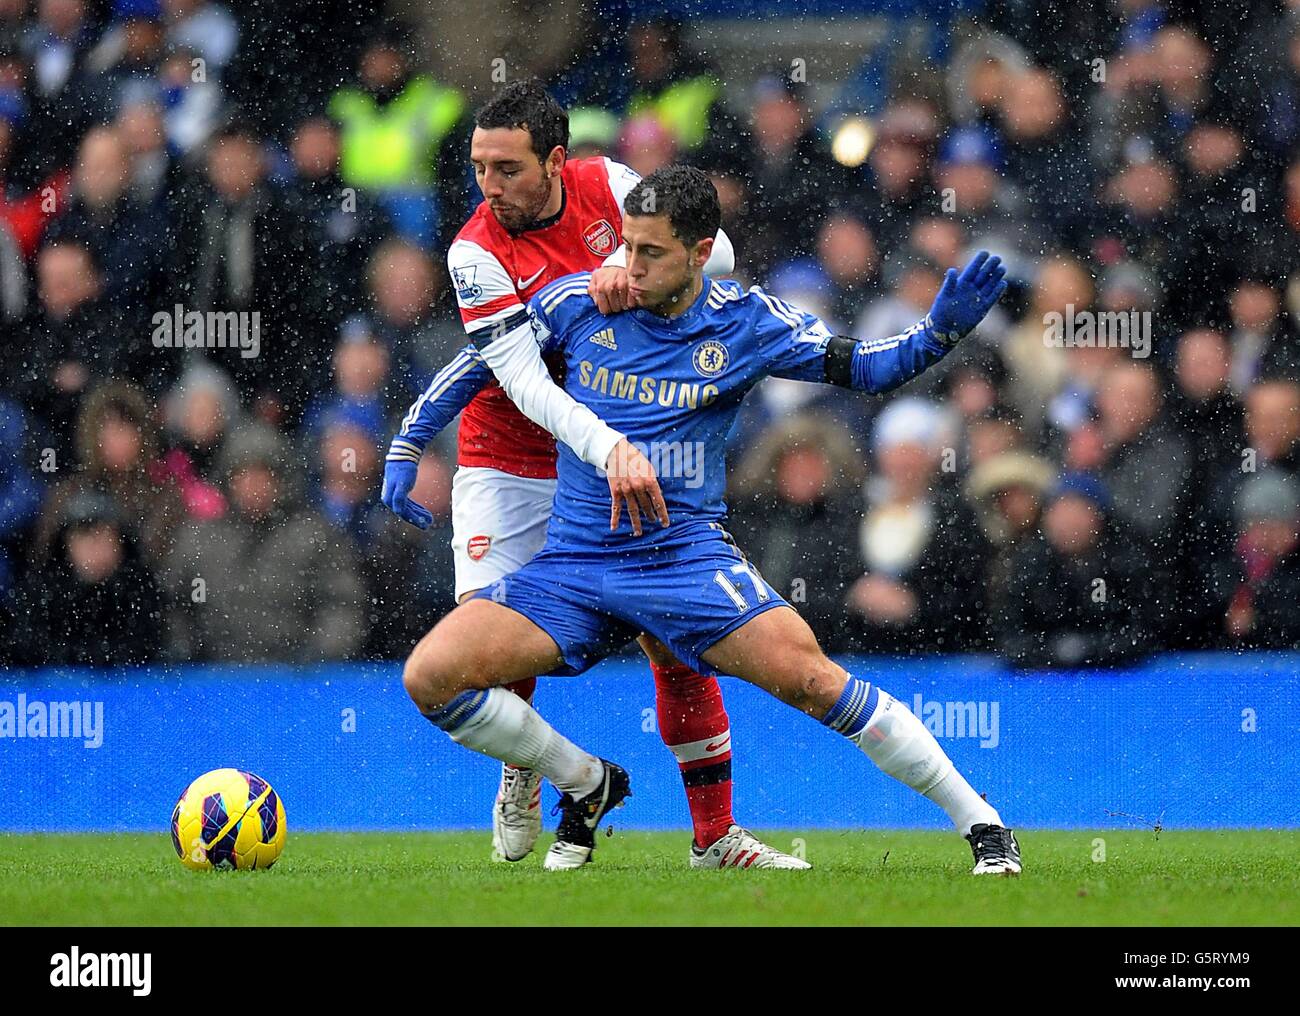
(693, 723)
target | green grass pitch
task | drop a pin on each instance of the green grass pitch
(874, 877)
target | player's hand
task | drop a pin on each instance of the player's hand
(632, 481)
(608, 286)
(964, 299)
(399, 478)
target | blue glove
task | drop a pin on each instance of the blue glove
(400, 466)
(964, 299)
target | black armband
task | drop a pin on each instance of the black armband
(839, 360)
(484, 336)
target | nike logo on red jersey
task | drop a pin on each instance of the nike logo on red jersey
(525, 283)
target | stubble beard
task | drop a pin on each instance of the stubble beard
(518, 220)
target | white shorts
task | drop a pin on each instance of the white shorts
(498, 522)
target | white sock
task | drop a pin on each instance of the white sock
(529, 700)
(902, 747)
(500, 724)
(965, 807)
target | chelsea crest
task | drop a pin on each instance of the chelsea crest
(710, 358)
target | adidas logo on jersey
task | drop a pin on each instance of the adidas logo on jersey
(605, 337)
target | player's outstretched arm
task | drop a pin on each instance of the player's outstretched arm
(513, 350)
(881, 365)
(511, 345)
(450, 391)
(963, 300)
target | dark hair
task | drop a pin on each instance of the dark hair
(394, 34)
(667, 30)
(528, 105)
(684, 194)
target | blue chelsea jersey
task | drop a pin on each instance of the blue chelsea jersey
(673, 387)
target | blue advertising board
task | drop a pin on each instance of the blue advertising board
(1187, 740)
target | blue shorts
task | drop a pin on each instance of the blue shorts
(688, 589)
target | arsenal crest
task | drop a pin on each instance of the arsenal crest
(478, 546)
(600, 238)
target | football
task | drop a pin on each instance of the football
(228, 819)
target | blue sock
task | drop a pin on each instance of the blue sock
(853, 708)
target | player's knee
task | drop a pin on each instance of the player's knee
(416, 680)
(825, 687)
(814, 678)
(428, 677)
(807, 688)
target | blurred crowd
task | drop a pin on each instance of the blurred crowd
(1060, 505)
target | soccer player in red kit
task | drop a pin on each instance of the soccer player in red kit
(545, 217)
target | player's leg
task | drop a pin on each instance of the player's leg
(526, 688)
(517, 807)
(777, 651)
(694, 725)
(738, 624)
(498, 524)
(455, 677)
(540, 620)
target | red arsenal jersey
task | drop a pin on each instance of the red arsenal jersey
(495, 272)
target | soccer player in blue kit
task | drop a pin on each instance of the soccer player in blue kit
(670, 374)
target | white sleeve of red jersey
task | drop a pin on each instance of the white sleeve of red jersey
(512, 348)
(493, 313)
(621, 181)
(485, 292)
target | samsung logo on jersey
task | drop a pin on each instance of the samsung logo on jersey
(645, 390)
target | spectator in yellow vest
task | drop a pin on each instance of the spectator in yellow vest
(398, 129)
(678, 87)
